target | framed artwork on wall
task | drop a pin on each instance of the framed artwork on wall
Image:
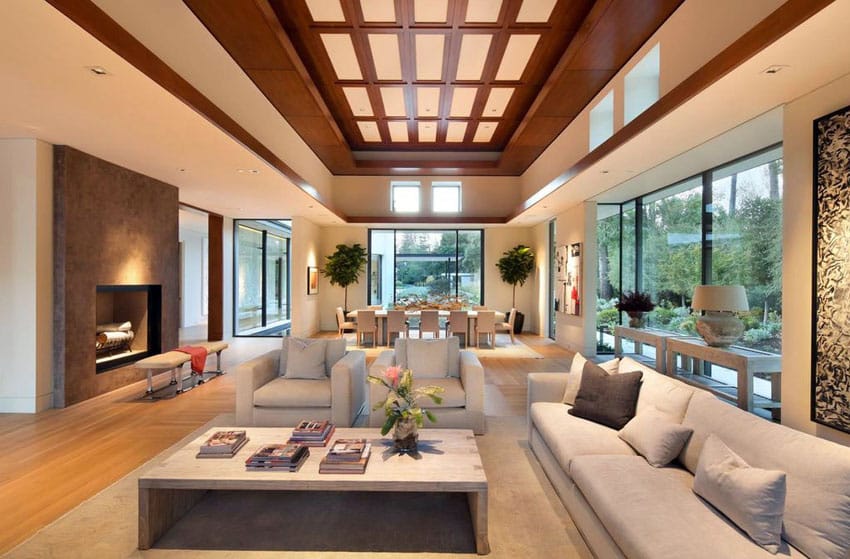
(572, 286)
(831, 271)
(312, 280)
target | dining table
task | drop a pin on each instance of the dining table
(381, 315)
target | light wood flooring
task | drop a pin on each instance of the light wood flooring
(54, 460)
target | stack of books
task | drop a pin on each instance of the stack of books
(287, 456)
(223, 444)
(312, 433)
(346, 456)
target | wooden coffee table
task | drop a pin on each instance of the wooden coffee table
(168, 490)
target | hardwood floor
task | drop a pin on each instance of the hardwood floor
(54, 460)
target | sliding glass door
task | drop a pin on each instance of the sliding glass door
(261, 277)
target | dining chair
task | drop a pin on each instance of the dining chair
(342, 324)
(397, 324)
(479, 307)
(375, 307)
(366, 324)
(508, 326)
(458, 323)
(429, 321)
(486, 324)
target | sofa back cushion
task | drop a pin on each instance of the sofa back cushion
(667, 395)
(435, 358)
(333, 349)
(817, 501)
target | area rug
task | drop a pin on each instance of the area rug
(526, 519)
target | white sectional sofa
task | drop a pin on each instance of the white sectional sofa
(625, 507)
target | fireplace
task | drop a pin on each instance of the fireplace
(127, 324)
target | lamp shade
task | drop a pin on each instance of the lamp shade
(730, 298)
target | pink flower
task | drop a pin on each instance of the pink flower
(393, 374)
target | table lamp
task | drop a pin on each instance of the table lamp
(720, 326)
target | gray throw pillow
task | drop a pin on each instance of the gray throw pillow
(574, 378)
(752, 498)
(655, 437)
(606, 399)
(305, 359)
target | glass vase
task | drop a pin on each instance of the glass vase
(405, 435)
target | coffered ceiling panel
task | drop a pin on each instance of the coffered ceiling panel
(402, 83)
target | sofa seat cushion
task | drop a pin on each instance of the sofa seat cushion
(294, 393)
(453, 396)
(568, 436)
(652, 513)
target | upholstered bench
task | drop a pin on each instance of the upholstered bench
(173, 361)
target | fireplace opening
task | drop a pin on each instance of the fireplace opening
(127, 324)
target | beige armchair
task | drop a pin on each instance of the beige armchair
(323, 382)
(439, 362)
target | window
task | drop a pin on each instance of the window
(261, 277)
(445, 197)
(602, 121)
(641, 84)
(405, 197)
(414, 265)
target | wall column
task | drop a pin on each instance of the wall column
(215, 261)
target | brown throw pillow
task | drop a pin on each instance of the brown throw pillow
(607, 399)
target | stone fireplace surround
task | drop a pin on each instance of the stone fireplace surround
(114, 227)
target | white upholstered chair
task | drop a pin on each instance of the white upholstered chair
(458, 323)
(429, 321)
(486, 324)
(397, 324)
(342, 324)
(305, 379)
(367, 324)
(479, 307)
(440, 362)
(508, 326)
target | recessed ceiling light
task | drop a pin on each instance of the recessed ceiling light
(248, 171)
(774, 69)
(604, 171)
(97, 70)
(182, 170)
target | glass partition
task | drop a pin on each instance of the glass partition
(261, 277)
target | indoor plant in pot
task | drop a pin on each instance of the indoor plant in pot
(343, 267)
(515, 266)
(635, 304)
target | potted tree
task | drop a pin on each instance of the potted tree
(343, 267)
(635, 304)
(515, 266)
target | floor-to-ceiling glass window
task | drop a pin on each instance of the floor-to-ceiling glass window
(406, 266)
(671, 251)
(261, 277)
(608, 284)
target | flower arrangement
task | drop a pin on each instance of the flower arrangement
(401, 405)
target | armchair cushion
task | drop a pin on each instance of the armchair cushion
(332, 351)
(454, 396)
(305, 360)
(436, 358)
(294, 393)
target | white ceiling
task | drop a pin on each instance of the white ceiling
(46, 91)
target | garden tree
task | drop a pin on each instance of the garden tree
(343, 267)
(761, 234)
(608, 239)
(515, 266)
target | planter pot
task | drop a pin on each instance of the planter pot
(636, 319)
(519, 322)
(405, 436)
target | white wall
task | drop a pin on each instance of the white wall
(333, 296)
(539, 319)
(26, 279)
(578, 225)
(497, 294)
(306, 251)
(191, 279)
(797, 255)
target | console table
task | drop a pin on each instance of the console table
(747, 362)
(650, 336)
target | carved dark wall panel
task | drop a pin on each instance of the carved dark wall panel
(831, 297)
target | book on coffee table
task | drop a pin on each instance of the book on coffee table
(312, 433)
(285, 456)
(346, 456)
(223, 444)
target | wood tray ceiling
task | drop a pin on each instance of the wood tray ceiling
(418, 87)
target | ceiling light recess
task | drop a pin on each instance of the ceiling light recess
(97, 70)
